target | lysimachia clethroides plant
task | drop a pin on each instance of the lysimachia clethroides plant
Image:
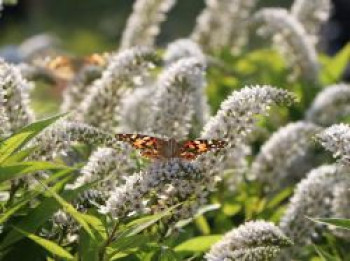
(173, 106)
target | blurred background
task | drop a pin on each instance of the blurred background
(86, 26)
(83, 27)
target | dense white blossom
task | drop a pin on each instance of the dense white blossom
(125, 70)
(76, 90)
(312, 198)
(330, 105)
(311, 14)
(336, 139)
(223, 23)
(161, 185)
(61, 135)
(15, 111)
(175, 99)
(290, 39)
(143, 24)
(183, 48)
(136, 110)
(287, 156)
(108, 166)
(252, 241)
(235, 119)
(341, 205)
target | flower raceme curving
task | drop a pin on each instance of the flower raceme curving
(176, 180)
(252, 241)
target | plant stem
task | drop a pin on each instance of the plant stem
(108, 241)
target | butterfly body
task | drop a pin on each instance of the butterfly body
(156, 148)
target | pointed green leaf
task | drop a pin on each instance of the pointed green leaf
(18, 170)
(338, 222)
(19, 139)
(41, 213)
(19, 156)
(140, 224)
(198, 244)
(127, 243)
(50, 246)
(67, 207)
(324, 255)
(88, 249)
(332, 71)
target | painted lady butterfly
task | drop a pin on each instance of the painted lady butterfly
(64, 68)
(156, 148)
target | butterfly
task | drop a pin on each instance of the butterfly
(65, 68)
(156, 148)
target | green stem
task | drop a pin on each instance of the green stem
(108, 241)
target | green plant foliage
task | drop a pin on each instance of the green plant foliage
(45, 215)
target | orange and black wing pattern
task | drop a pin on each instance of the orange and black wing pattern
(61, 67)
(191, 149)
(148, 146)
(65, 68)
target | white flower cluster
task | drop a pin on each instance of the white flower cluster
(135, 110)
(177, 97)
(252, 241)
(108, 166)
(15, 111)
(312, 198)
(330, 105)
(125, 70)
(290, 39)
(236, 119)
(287, 156)
(183, 48)
(223, 23)
(143, 24)
(74, 93)
(311, 14)
(62, 134)
(340, 205)
(138, 105)
(169, 182)
(336, 139)
(163, 184)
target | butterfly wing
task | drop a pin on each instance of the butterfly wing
(149, 146)
(61, 67)
(95, 59)
(191, 149)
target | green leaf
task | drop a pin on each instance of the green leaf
(136, 226)
(29, 195)
(97, 224)
(17, 170)
(12, 210)
(19, 156)
(338, 222)
(280, 197)
(333, 69)
(324, 255)
(197, 244)
(88, 249)
(19, 139)
(202, 225)
(39, 215)
(165, 254)
(50, 246)
(201, 211)
(79, 217)
(127, 245)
